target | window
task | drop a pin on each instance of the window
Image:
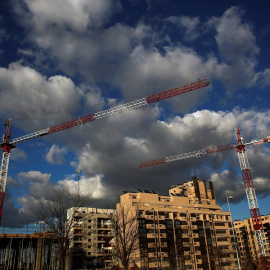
(142, 232)
(209, 241)
(177, 224)
(201, 232)
(169, 224)
(141, 222)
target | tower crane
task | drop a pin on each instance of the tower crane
(247, 179)
(8, 143)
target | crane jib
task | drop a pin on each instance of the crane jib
(114, 110)
(72, 123)
(177, 91)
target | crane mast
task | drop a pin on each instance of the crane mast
(252, 201)
(248, 184)
(4, 163)
(8, 143)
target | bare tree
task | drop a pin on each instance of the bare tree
(125, 226)
(58, 213)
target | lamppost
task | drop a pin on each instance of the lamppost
(235, 244)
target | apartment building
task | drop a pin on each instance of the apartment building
(183, 230)
(247, 245)
(92, 236)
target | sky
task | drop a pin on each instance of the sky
(62, 59)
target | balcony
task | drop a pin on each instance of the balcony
(165, 264)
(101, 240)
(150, 226)
(77, 239)
(104, 233)
(223, 243)
(153, 265)
(104, 226)
(152, 254)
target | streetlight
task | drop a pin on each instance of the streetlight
(236, 249)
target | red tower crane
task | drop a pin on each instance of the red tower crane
(9, 143)
(247, 179)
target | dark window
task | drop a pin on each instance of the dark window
(169, 224)
(177, 224)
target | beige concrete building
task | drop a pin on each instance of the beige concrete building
(91, 238)
(183, 230)
(247, 245)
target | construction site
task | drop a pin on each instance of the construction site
(28, 251)
(165, 239)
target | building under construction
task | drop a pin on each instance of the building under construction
(28, 251)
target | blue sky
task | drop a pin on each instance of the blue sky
(63, 59)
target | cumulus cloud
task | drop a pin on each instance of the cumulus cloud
(104, 62)
(110, 155)
(78, 15)
(31, 95)
(89, 185)
(137, 58)
(194, 131)
(18, 154)
(237, 47)
(189, 24)
(56, 155)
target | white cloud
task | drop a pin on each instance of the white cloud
(31, 95)
(189, 24)
(92, 186)
(18, 154)
(136, 144)
(75, 14)
(135, 58)
(39, 183)
(237, 49)
(56, 155)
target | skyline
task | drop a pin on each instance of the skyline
(61, 60)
